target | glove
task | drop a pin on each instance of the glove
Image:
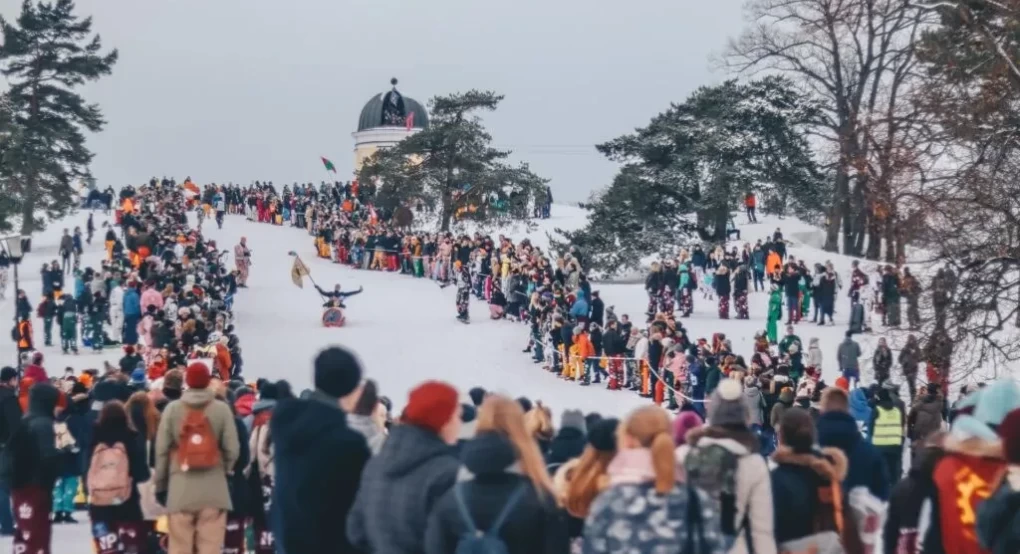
(161, 498)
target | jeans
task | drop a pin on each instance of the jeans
(6, 515)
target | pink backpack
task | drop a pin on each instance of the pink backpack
(109, 476)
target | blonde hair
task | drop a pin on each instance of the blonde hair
(586, 480)
(538, 422)
(650, 428)
(499, 414)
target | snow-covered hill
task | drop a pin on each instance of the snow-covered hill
(404, 328)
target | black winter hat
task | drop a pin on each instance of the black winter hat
(337, 372)
(269, 391)
(602, 436)
(477, 395)
(8, 373)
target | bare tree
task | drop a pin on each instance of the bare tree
(858, 58)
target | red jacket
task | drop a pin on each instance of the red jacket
(963, 479)
(36, 373)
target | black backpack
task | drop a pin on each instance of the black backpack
(475, 541)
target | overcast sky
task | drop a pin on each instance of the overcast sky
(231, 90)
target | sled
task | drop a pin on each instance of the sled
(333, 317)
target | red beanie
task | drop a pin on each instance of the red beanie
(430, 405)
(197, 376)
(1009, 430)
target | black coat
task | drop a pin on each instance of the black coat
(399, 487)
(613, 342)
(77, 421)
(33, 448)
(239, 497)
(535, 524)
(319, 460)
(566, 445)
(598, 309)
(10, 414)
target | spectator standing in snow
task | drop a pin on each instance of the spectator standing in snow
(505, 473)
(837, 428)
(197, 500)
(882, 361)
(848, 355)
(319, 460)
(416, 466)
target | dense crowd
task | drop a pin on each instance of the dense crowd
(174, 451)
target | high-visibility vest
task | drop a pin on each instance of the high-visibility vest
(888, 428)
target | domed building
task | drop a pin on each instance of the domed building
(387, 118)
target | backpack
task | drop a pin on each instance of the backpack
(109, 476)
(197, 445)
(713, 469)
(475, 541)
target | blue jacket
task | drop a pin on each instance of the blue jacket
(132, 303)
(866, 466)
(860, 410)
(580, 308)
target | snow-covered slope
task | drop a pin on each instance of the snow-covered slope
(404, 328)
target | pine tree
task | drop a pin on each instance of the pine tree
(451, 165)
(690, 167)
(48, 53)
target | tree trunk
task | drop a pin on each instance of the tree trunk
(838, 211)
(447, 212)
(876, 229)
(891, 230)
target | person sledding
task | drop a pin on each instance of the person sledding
(335, 298)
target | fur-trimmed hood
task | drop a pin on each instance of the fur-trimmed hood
(829, 463)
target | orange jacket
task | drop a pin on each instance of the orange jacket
(773, 263)
(750, 201)
(584, 346)
(222, 362)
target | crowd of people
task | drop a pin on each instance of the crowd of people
(174, 451)
(163, 295)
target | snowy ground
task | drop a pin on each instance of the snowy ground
(404, 328)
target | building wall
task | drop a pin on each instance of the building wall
(367, 142)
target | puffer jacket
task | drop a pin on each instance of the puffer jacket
(784, 403)
(535, 524)
(399, 488)
(631, 516)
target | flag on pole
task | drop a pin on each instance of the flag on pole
(298, 271)
(410, 121)
(329, 165)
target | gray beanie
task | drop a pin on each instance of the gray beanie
(727, 406)
(573, 419)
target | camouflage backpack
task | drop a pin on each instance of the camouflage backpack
(713, 469)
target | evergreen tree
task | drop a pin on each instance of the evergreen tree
(48, 53)
(691, 166)
(451, 165)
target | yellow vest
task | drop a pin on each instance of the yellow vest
(888, 428)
